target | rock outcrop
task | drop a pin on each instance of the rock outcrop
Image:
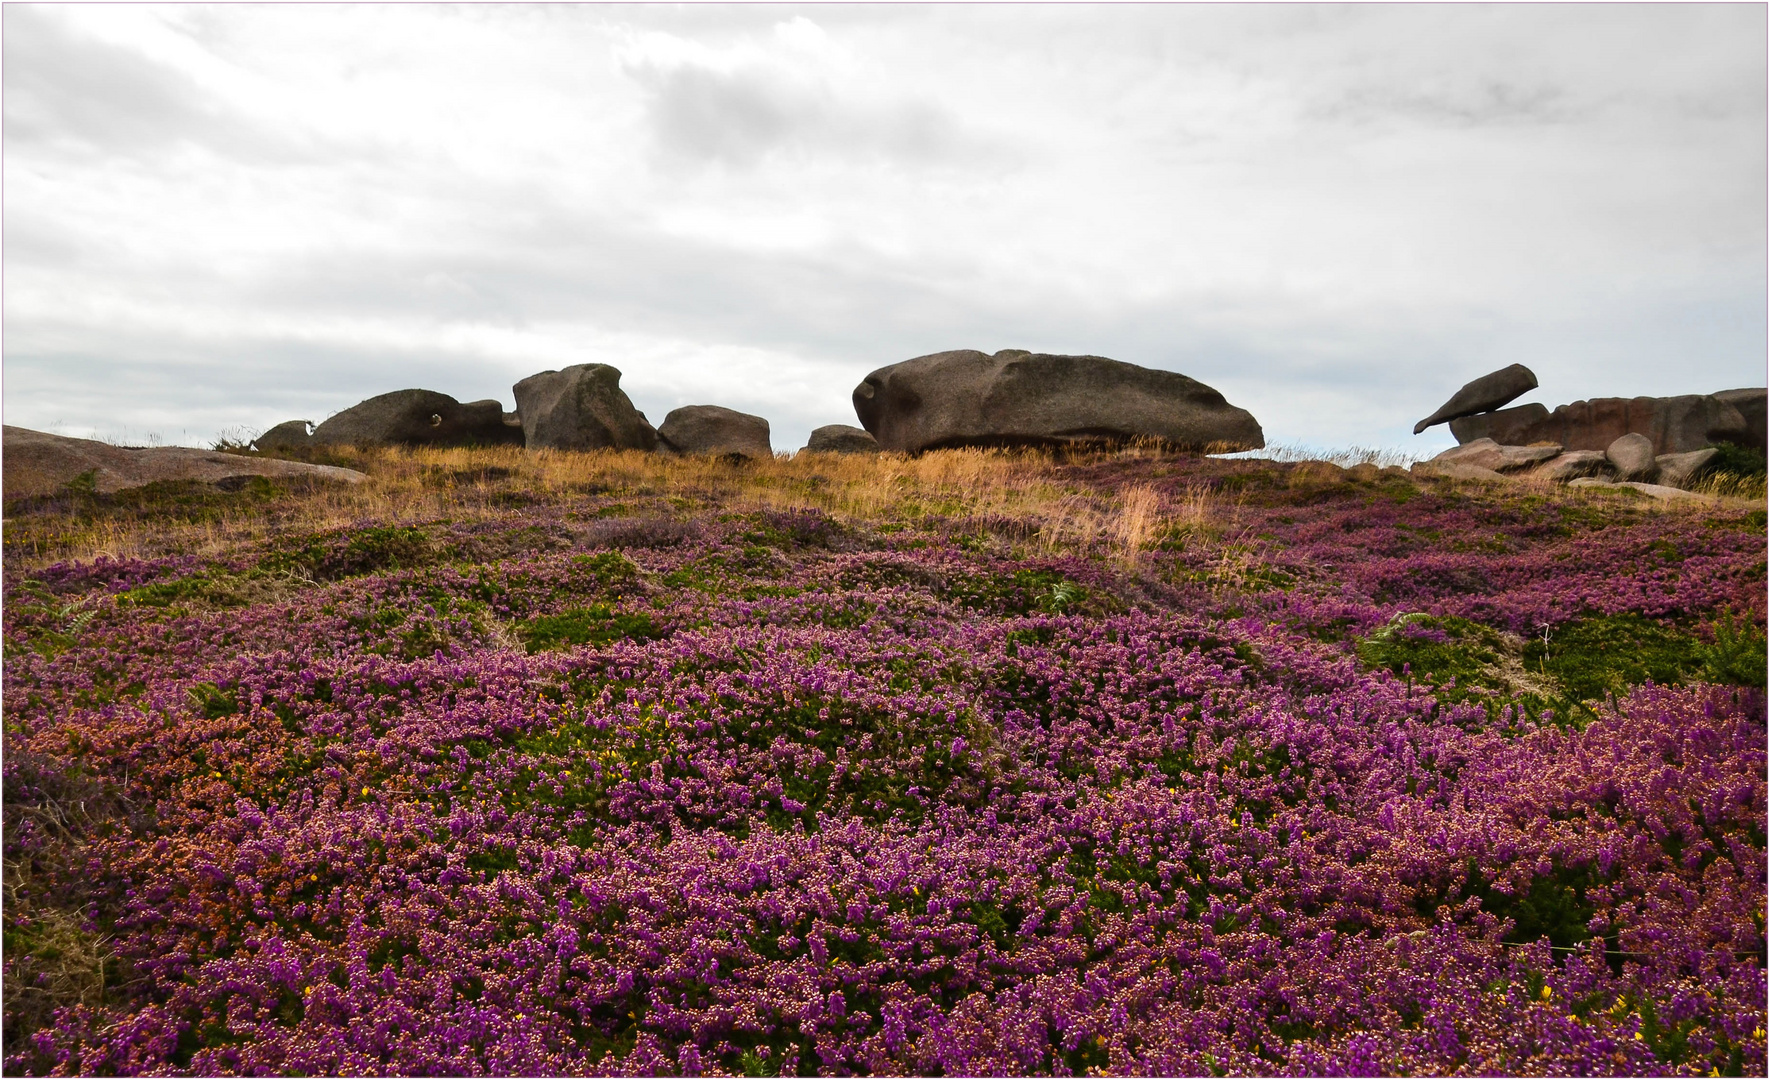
(38, 463)
(1488, 454)
(1750, 402)
(714, 430)
(1015, 397)
(416, 418)
(1483, 395)
(1674, 425)
(1572, 465)
(581, 407)
(1456, 470)
(288, 435)
(841, 439)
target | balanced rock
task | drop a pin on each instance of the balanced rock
(1491, 455)
(715, 430)
(1573, 465)
(1483, 395)
(38, 463)
(581, 407)
(841, 439)
(415, 418)
(1673, 425)
(288, 435)
(1678, 470)
(1750, 402)
(1632, 457)
(969, 398)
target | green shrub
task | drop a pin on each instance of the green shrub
(1737, 657)
(1730, 460)
(1606, 654)
(1436, 650)
(595, 626)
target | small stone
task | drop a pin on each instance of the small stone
(1364, 472)
(1660, 491)
(1632, 457)
(842, 439)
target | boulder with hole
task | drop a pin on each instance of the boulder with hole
(715, 431)
(581, 407)
(1019, 398)
(415, 418)
(1483, 395)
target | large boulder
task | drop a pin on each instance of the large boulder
(1750, 402)
(969, 398)
(38, 463)
(1632, 456)
(416, 418)
(1678, 470)
(1456, 470)
(581, 407)
(1674, 425)
(1573, 465)
(288, 435)
(1483, 395)
(841, 439)
(715, 430)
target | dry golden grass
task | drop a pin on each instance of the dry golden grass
(1138, 522)
(407, 486)
(410, 486)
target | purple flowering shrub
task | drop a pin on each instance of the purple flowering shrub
(778, 794)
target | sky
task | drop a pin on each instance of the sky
(217, 218)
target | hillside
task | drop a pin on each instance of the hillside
(971, 763)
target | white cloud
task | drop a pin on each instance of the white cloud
(222, 215)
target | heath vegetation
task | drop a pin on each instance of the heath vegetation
(977, 762)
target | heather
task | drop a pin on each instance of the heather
(977, 763)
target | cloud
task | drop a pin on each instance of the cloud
(1334, 215)
(70, 92)
(791, 92)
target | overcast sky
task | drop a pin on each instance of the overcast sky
(220, 217)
